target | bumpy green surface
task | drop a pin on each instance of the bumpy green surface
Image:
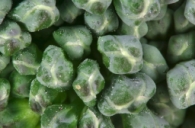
(126, 94)
(40, 96)
(68, 11)
(91, 118)
(4, 93)
(181, 82)
(181, 24)
(55, 70)
(158, 29)
(12, 38)
(171, 1)
(97, 64)
(181, 47)
(137, 31)
(145, 119)
(5, 6)
(89, 82)
(20, 84)
(18, 115)
(35, 14)
(27, 60)
(4, 61)
(75, 41)
(59, 116)
(93, 6)
(164, 108)
(154, 66)
(163, 10)
(134, 12)
(102, 24)
(189, 11)
(121, 54)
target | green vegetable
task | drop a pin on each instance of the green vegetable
(41, 97)
(158, 29)
(4, 61)
(5, 6)
(89, 82)
(134, 30)
(55, 70)
(60, 116)
(18, 115)
(145, 119)
(163, 10)
(164, 108)
(180, 82)
(189, 11)
(154, 66)
(93, 6)
(27, 61)
(91, 118)
(181, 24)
(75, 41)
(35, 14)
(181, 47)
(20, 84)
(12, 38)
(135, 12)
(126, 94)
(7, 71)
(4, 93)
(121, 50)
(102, 24)
(97, 63)
(171, 1)
(68, 11)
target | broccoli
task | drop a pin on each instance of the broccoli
(40, 96)
(77, 44)
(35, 15)
(102, 24)
(180, 80)
(52, 73)
(91, 118)
(93, 6)
(27, 60)
(121, 54)
(97, 63)
(68, 11)
(18, 114)
(164, 108)
(145, 119)
(13, 38)
(126, 94)
(154, 66)
(5, 92)
(5, 6)
(89, 82)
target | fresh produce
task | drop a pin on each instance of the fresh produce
(121, 54)
(89, 82)
(97, 64)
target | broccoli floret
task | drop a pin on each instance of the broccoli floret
(89, 82)
(126, 94)
(35, 14)
(121, 54)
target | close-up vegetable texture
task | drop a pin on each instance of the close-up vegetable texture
(97, 63)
